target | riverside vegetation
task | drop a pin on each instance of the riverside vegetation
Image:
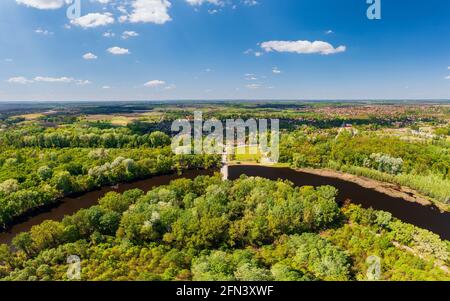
(209, 229)
(421, 165)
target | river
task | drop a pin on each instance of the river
(427, 217)
(70, 205)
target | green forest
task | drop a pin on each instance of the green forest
(208, 228)
(421, 165)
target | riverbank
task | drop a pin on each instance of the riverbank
(403, 205)
(390, 189)
(393, 190)
(70, 205)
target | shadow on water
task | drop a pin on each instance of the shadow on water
(426, 217)
(70, 205)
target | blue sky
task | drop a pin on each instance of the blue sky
(224, 49)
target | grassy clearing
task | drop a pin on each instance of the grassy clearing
(30, 116)
(118, 120)
(247, 154)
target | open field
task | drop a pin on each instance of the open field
(30, 116)
(112, 119)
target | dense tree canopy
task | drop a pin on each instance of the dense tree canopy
(209, 229)
(421, 165)
(32, 177)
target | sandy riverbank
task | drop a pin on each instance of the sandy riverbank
(390, 189)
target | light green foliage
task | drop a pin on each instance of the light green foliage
(42, 176)
(308, 254)
(240, 265)
(9, 186)
(384, 163)
(44, 173)
(423, 166)
(283, 272)
(422, 241)
(320, 257)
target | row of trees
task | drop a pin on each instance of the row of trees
(90, 137)
(307, 147)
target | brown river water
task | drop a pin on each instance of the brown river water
(70, 205)
(427, 217)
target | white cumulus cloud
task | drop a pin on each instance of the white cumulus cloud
(251, 2)
(302, 47)
(253, 86)
(47, 79)
(93, 20)
(252, 52)
(43, 4)
(201, 2)
(19, 80)
(90, 56)
(150, 11)
(109, 34)
(129, 34)
(83, 82)
(118, 51)
(44, 32)
(154, 83)
(275, 70)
